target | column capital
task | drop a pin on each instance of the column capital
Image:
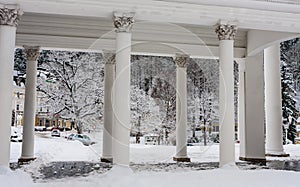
(109, 57)
(123, 21)
(226, 31)
(10, 16)
(181, 60)
(32, 52)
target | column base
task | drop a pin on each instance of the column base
(25, 160)
(106, 160)
(254, 160)
(277, 154)
(182, 159)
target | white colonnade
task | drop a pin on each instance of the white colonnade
(117, 95)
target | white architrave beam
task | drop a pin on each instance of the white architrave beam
(259, 40)
(138, 47)
(163, 11)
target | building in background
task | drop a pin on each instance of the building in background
(43, 116)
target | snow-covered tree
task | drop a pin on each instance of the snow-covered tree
(19, 67)
(156, 76)
(288, 75)
(289, 111)
(145, 116)
(165, 95)
(203, 95)
(73, 85)
(290, 53)
(20, 61)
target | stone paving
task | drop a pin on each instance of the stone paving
(59, 170)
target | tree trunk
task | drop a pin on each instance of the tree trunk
(204, 136)
(79, 127)
(194, 133)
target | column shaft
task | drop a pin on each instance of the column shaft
(226, 103)
(109, 78)
(181, 109)
(273, 102)
(241, 104)
(252, 144)
(121, 129)
(29, 105)
(7, 47)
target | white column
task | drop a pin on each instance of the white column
(109, 78)
(32, 53)
(121, 130)
(241, 100)
(252, 140)
(181, 108)
(8, 21)
(241, 106)
(226, 34)
(273, 104)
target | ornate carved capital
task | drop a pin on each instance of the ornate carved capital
(32, 52)
(123, 22)
(181, 60)
(10, 17)
(226, 31)
(109, 57)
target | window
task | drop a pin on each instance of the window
(18, 107)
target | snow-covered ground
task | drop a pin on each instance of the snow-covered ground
(48, 149)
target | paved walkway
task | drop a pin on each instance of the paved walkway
(58, 170)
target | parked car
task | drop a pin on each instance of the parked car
(39, 128)
(70, 137)
(82, 138)
(55, 132)
(151, 139)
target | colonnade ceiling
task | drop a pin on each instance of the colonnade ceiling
(162, 26)
(57, 31)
